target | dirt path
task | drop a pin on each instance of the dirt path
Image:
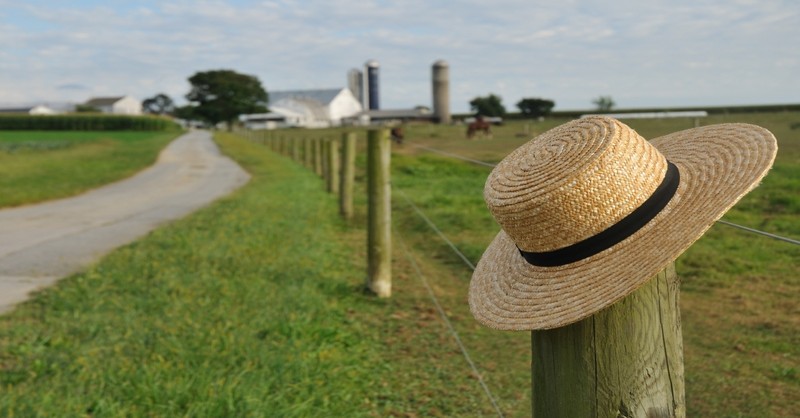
(40, 244)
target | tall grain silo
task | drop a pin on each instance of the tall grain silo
(355, 81)
(441, 91)
(371, 84)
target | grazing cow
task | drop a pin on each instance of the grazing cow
(480, 126)
(397, 135)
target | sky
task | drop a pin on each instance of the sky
(642, 53)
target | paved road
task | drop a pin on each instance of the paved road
(40, 244)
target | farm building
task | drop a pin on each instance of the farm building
(30, 110)
(125, 105)
(305, 108)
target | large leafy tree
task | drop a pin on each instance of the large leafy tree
(534, 107)
(160, 104)
(223, 95)
(491, 105)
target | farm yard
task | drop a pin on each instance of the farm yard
(254, 306)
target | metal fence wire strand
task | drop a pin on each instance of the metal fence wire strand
(449, 325)
(435, 228)
(484, 163)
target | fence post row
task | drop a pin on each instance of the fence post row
(379, 249)
(348, 175)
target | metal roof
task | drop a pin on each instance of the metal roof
(323, 96)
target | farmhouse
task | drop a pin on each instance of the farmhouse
(125, 105)
(305, 108)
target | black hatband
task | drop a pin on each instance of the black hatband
(612, 235)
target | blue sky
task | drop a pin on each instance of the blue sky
(640, 52)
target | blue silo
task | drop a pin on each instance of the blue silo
(372, 84)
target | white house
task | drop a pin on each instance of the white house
(306, 108)
(125, 105)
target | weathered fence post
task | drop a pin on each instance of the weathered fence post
(379, 200)
(307, 153)
(348, 175)
(295, 149)
(624, 361)
(318, 156)
(325, 170)
(333, 166)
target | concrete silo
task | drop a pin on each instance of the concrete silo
(441, 91)
(355, 81)
(371, 85)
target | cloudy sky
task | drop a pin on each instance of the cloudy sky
(640, 52)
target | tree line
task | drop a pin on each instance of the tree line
(222, 95)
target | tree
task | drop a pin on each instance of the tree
(604, 103)
(534, 107)
(490, 105)
(222, 95)
(160, 104)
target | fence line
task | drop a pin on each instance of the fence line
(484, 163)
(435, 228)
(447, 322)
(449, 154)
(756, 231)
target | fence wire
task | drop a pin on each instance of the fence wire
(449, 325)
(484, 163)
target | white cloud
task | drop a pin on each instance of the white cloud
(676, 52)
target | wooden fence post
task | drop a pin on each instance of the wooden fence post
(624, 361)
(307, 153)
(333, 166)
(379, 200)
(295, 149)
(318, 156)
(348, 175)
(325, 170)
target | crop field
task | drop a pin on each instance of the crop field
(254, 306)
(42, 165)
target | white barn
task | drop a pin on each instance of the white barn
(306, 108)
(125, 105)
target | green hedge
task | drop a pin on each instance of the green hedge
(85, 123)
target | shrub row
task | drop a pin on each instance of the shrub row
(85, 123)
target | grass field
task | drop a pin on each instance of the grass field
(42, 165)
(254, 307)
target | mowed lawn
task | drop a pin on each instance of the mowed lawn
(42, 165)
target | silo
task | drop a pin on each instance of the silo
(441, 91)
(355, 81)
(371, 92)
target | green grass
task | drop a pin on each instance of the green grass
(254, 305)
(42, 165)
(251, 307)
(740, 313)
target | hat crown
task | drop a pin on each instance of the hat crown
(572, 182)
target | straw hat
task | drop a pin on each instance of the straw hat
(590, 211)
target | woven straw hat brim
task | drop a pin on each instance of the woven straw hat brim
(718, 165)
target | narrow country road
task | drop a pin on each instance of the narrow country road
(42, 243)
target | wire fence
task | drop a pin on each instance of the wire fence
(438, 306)
(487, 164)
(447, 322)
